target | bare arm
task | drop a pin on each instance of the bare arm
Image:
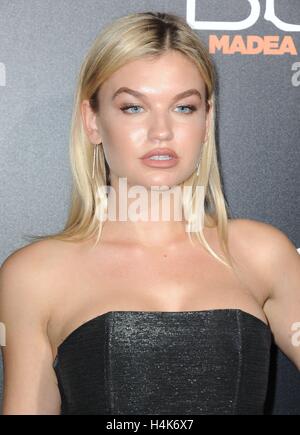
(283, 306)
(30, 384)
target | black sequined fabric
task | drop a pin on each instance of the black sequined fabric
(209, 362)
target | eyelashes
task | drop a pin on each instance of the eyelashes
(191, 107)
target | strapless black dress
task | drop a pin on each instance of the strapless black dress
(209, 362)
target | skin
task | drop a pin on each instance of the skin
(49, 288)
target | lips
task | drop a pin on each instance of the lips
(159, 152)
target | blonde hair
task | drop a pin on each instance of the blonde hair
(129, 38)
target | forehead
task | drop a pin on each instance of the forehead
(168, 74)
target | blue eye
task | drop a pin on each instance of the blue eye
(124, 108)
(191, 108)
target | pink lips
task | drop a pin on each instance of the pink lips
(160, 163)
(159, 152)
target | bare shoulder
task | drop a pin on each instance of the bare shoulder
(36, 252)
(38, 258)
(32, 260)
(261, 246)
(29, 272)
(259, 237)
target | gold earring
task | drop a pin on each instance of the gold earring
(96, 158)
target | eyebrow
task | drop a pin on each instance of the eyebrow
(140, 95)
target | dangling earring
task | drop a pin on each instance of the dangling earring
(96, 158)
(198, 165)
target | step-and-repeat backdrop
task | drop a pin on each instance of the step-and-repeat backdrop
(255, 45)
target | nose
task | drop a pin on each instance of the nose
(160, 128)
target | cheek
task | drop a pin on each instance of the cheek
(120, 128)
(191, 134)
(122, 147)
(124, 139)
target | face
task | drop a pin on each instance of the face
(129, 126)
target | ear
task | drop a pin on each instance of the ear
(89, 119)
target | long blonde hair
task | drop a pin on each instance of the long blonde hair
(126, 39)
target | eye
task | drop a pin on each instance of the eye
(190, 107)
(132, 106)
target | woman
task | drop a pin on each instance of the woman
(147, 316)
